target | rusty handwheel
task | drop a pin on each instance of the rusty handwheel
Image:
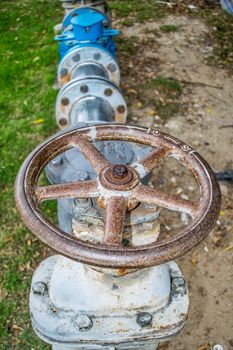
(116, 187)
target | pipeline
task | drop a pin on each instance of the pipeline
(104, 291)
(70, 5)
(88, 73)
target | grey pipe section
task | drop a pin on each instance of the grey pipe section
(89, 70)
(92, 109)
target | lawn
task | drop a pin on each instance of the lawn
(27, 101)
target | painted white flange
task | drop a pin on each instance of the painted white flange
(78, 89)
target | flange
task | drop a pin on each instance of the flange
(89, 55)
(108, 105)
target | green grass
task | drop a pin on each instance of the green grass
(28, 58)
(28, 65)
(170, 91)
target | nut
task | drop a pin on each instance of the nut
(63, 121)
(83, 323)
(119, 171)
(108, 92)
(97, 56)
(64, 72)
(144, 319)
(84, 89)
(76, 57)
(178, 282)
(121, 109)
(112, 67)
(39, 288)
(65, 101)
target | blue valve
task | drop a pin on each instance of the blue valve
(85, 26)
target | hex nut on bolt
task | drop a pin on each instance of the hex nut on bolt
(76, 58)
(64, 72)
(83, 323)
(108, 92)
(121, 109)
(112, 67)
(63, 122)
(97, 56)
(178, 282)
(144, 319)
(39, 288)
(65, 101)
(84, 89)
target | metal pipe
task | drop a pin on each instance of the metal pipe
(92, 109)
(69, 5)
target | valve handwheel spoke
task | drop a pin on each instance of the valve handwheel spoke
(84, 189)
(148, 195)
(114, 221)
(118, 186)
(150, 161)
(90, 152)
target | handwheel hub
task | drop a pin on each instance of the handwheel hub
(119, 177)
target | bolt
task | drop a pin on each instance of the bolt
(144, 319)
(119, 171)
(108, 92)
(39, 288)
(62, 329)
(76, 57)
(84, 89)
(83, 323)
(88, 29)
(65, 101)
(56, 162)
(97, 56)
(105, 24)
(218, 347)
(64, 72)
(112, 67)
(63, 121)
(178, 282)
(121, 109)
(82, 176)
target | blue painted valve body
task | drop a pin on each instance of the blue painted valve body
(86, 26)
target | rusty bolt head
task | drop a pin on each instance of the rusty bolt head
(119, 171)
(84, 89)
(76, 57)
(64, 72)
(108, 92)
(144, 319)
(39, 288)
(121, 109)
(65, 101)
(83, 323)
(112, 67)
(63, 121)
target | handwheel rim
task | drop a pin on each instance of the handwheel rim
(111, 256)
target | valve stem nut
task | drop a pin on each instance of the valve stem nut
(144, 319)
(83, 323)
(119, 171)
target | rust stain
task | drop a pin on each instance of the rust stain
(111, 254)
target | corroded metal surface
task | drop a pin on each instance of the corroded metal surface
(119, 304)
(204, 213)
